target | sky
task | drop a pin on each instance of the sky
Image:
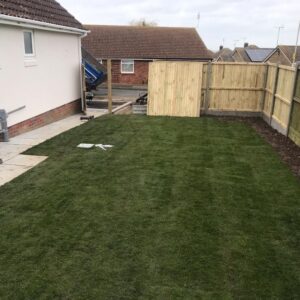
(227, 22)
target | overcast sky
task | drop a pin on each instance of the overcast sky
(253, 21)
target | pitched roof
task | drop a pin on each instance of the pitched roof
(48, 11)
(106, 41)
(259, 54)
(243, 54)
(225, 54)
(289, 52)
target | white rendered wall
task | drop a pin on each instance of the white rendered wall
(47, 81)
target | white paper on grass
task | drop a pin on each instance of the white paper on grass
(103, 147)
(85, 146)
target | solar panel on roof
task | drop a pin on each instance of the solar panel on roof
(258, 55)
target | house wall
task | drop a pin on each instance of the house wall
(50, 80)
(140, 76)
(279, 58)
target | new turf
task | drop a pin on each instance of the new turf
(179, 209)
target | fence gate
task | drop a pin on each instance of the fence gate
(174, 88)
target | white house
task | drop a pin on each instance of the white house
(40, 63)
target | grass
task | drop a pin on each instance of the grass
(178, 209)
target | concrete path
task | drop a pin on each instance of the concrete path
(15, 164)
(120, 94)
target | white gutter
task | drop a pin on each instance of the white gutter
(16, 21)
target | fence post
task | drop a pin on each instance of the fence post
(207, 93)
(262, 105)
(292, 100)
(274, 93)
(109, 86)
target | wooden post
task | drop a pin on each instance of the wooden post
(83, 87)
(274, 93)
(262, 105)
(207, 93)
(292, 100)
(109, 86)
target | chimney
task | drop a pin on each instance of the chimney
(221, 47)
(246, 45)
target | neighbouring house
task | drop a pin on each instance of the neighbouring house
(283, 55)
(251, 54)
(131, 48)
(40, 63)
(223, 55)
(240, 55)
(258, 55)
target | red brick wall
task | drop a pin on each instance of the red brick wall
(140, 75)
(45, 118)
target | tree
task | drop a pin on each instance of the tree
(143, 23)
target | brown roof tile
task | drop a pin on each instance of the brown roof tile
(144, 42)
(48, 11)
(243, 54)
(225, 54)
(289, 52)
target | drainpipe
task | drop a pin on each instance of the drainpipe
(3, 123)
(80, 69)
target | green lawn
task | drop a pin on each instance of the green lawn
(179, 209)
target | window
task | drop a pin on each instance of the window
(28, 43)
(127, 66)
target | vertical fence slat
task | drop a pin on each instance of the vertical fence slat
(262, 105)
(274, 93)
(292, 98)
(208, 81)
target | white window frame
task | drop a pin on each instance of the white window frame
(29, 55)
(122, 63)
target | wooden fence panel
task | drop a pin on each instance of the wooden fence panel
(283, 98)
(237, 87)
(294, 130)
(183, 88)
(270, 90)
(174, 88)
(204, 84)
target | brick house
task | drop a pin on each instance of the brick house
(41, 56)
(131, 48)
(283, 55)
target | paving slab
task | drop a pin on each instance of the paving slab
(25, 141)
(26, 160)
(8, 151)
(15, 163)
(9, 172)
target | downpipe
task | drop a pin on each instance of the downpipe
(3, 123)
